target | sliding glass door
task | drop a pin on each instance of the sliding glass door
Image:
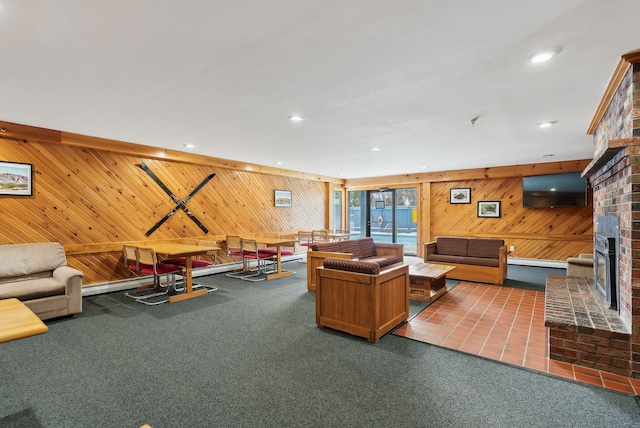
(386, 215)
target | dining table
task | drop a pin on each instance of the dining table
(17, 321)
(188, 251)
(277, 243)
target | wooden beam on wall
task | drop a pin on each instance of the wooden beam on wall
(468, 174)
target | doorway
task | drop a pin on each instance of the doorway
(386, 215)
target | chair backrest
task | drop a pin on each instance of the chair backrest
(320, 236)
(234, 243)
(305, 236)
(249, 246)
(147, 256)
(129, 256)
(209, 244)
(347, 231)
(271, 234)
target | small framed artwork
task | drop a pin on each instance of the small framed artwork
(489, 209)
(16, 179)
(460, 196)
(282, 198)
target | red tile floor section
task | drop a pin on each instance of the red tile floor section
(504, 324)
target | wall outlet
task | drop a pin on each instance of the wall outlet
(512, 248)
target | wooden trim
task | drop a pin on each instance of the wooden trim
(24, 132)
(621, 70)
(468, 174)
(107, 247)
(612, 148)
(528, 236)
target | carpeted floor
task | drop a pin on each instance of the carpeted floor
(250, 355)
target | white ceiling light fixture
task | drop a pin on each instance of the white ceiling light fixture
(375, 149)
(543, 56)
(189, 146)
(296, 118)
(546, 124)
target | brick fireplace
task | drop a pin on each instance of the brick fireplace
(597, 335)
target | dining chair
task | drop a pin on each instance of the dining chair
(251, 251)
(150, 265)
(283, 252)
(234, 245)
(319, 236)
(305, 238)
(129, 258)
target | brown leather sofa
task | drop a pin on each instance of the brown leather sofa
(475, 259)
(365, 249)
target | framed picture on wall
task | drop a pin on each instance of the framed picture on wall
(16, 179)
(460, 196)
(282, 198)
(489, 209)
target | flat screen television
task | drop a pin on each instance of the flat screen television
(554, 190)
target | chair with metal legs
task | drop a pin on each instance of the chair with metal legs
(130, 259)
(251, 251)
(234, 249)
(148, 258)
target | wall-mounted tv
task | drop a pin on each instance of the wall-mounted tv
(554, 190)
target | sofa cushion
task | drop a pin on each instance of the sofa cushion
(357, 266)
(352, 247)
(445, 258)
(332, 247)
(32, 289)
(452, 246)
(367, 247)
(479, 247)
(385, 261)
(480, 261)
(27, 259)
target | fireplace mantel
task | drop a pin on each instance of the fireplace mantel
(613, 147)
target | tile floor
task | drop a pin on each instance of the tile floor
(504, 324)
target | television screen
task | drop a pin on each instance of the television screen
(554, 190)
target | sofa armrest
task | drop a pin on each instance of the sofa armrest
(315, 259)
(389, 249)
(429, 248)
(72, 280)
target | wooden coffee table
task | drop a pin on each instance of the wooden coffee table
(18, 321)
(428, 281)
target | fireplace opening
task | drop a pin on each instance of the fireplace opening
(606, 244)
(605, 262)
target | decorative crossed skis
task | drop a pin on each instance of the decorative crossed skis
(180, 204)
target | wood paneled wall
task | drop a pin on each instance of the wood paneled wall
(91, 195)
(93, 200)
(540, 233)
(536, 233)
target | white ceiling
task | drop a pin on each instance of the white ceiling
(402, 75)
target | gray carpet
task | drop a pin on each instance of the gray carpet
(250, 355)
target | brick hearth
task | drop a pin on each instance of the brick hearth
(582, 330)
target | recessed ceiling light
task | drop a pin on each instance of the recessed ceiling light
(546, 124)
(425, 167)
(189, 146)
(278, 163)
(375, 149)
(543, 56)
(296, 118)
(550, 155)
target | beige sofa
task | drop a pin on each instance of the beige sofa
(365, 249)
(581, 265)
(38, 275)
(475, 259)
